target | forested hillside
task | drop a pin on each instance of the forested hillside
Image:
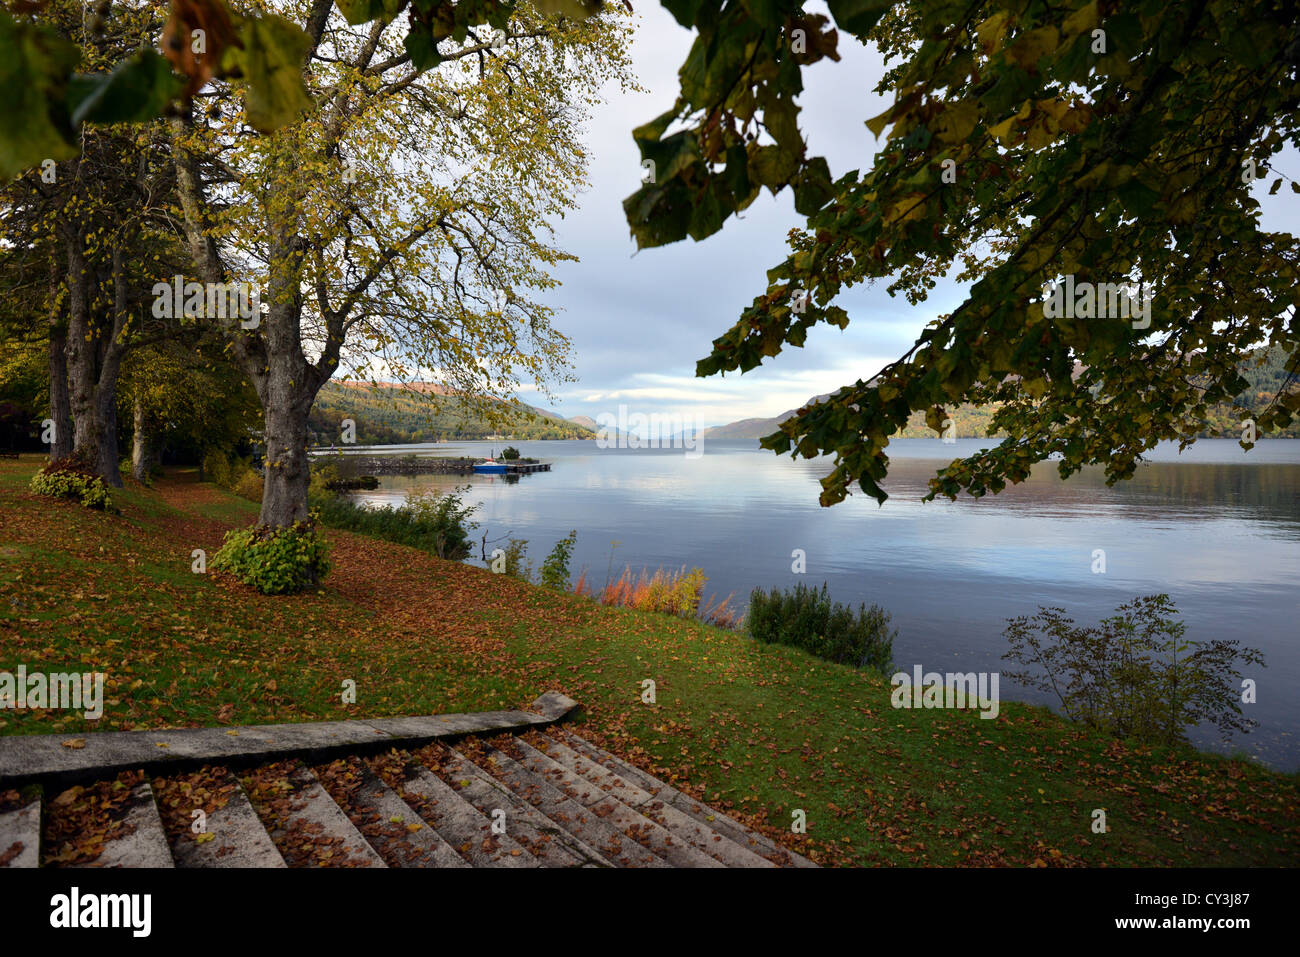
(1265, 371)
(389, 415)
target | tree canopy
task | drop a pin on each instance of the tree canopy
(1028, 143)
(1106, 147)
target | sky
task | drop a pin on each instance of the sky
(639, 321)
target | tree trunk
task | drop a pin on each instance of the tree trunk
(284, 498)
(141, 454)
(106, 419)
(60, 410)
(94, 362)
(287, 404)
(81, 355)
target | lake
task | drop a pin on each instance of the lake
(1216, 528)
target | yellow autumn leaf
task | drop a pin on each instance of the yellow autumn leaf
(1083, 20)
(992, 30)
(877, 124)
(910, 207)
(1003, 130)
(956, 122)
(1031, 46)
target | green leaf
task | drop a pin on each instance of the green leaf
(577, 9)
(858, 16)
(138, 89)
(772, 167)
(683, 11)
(422, 49)
(34, 73)
(357, 12)
(812, 188)
(649, 132)
(271, 62)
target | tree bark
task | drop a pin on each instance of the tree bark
(60, 410)
(141, 457)
(94, 361)
(284, 488)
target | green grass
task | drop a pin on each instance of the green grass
(761, 730)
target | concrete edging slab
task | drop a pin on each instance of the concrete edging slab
(44, 757)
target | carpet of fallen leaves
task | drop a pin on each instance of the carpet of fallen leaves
(760, 732)
(80, 820)
(179, 796)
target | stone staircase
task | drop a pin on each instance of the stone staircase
(525, 798)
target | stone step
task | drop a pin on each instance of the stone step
(310, 829)
(20, 834)
(674, 849)
(393, 828)
(549, 843)
(684, 827)
(461, 824)
(702, 813)
(588, 824)
(238, 836)
(139, 841)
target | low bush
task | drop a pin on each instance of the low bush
(275, 560)
(672, 593)
(1135, 674)
(73, 479)
(806, 618)
(555, 569)
(512, 560)
(433, 522)
(359, 483)
(509, 453)
(249, 486)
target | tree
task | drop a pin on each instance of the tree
(81, 240)
(1134, 674)
(1085, 144)
(404, 224)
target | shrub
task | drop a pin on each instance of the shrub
(1134, 674)
(673, 593)
(366, 482)
(216, 467)
(275, 560)
(72, 478)
(249, 486)
(512, 560)
(509, 453)
(320, 485)
(555, 569)
(432, 522)
(806, 618)
(445, 519)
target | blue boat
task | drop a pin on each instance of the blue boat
(490, 467)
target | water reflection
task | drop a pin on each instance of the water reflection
(1217, 529)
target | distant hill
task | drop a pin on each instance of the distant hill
(755, 428)
(392, 413)
(1265, 372)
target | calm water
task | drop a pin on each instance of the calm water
(1217, 528)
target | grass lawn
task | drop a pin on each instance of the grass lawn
(758, 730)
